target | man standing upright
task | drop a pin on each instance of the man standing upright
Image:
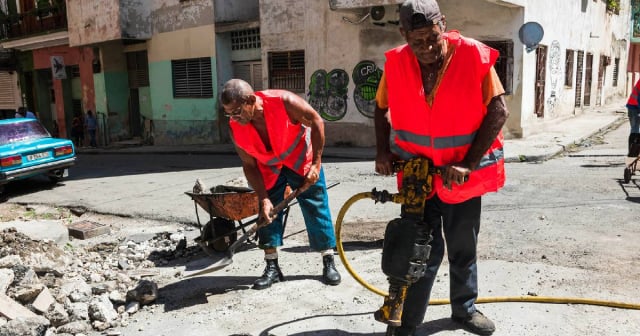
(279, 138)
(444, 102)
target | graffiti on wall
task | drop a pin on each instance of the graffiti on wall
(366, 76)
(555, 72)
(328, 93)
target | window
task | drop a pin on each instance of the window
(504, 64)
(245, 39)
(286, 70)
(616, 70)
(192, 78)
(75, 71)
(568, 68)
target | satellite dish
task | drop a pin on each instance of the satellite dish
(531, 34)
(377, 12)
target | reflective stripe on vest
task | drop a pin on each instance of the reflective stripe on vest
(290, 143)
(445, 131)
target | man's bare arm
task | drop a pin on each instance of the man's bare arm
(496, 117)
(300, 111)
(384, 157)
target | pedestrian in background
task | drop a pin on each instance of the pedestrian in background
(77, 129)
(633, 111)
(280, 138)
(91, 124)
(21, 112)
(445, 103)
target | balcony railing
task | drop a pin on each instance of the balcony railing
(37, 21)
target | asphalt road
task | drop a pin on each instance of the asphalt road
(566, 227)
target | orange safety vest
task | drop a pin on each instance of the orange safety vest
(290, 143)
(445, 131)
(633, 98)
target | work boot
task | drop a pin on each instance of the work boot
(271, 275)
(330, 274)
(476, 323)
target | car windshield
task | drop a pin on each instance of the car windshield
(22, 131)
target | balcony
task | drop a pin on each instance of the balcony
(35, 22)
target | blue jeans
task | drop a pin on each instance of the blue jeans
(634, 118)
(460, 224)
(314, 203)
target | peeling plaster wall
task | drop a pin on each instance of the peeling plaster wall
(232, 11)
(173, 15)
(135, 19)
(91, 21)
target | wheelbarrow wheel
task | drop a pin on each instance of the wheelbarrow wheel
(627, 175)
(219, 234)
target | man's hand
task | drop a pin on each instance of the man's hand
(265, 211)
(456, 173)
(384, 163)
(311, 178)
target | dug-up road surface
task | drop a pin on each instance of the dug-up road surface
(564, 228)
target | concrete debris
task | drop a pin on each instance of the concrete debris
(47, 290)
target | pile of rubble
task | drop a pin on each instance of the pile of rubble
(46, 289)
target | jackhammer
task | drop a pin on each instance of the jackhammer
(406, 248)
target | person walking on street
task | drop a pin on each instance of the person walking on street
(91, 124)
(633, 111)
(441, 96)
(280, 138)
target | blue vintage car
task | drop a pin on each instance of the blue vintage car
(27, 149)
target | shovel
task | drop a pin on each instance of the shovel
(228, 258)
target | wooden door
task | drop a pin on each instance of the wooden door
(588, 77)
(541, 72)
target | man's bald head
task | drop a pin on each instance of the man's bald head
(235, 90)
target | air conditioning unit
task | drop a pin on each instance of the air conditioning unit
(382, 15)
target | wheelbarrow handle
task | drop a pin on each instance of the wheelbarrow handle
(263, 222)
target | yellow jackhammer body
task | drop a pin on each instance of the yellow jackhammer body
(406, 246)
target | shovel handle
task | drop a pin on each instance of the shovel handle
(262, 222)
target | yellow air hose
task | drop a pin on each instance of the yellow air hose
(535, 299)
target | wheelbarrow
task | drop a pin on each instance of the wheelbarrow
(231, 209)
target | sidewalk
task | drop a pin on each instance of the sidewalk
(538, 147)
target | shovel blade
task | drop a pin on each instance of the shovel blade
(216, 266)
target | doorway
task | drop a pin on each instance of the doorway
(541, 72)
(588, 77)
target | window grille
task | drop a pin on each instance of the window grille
(245, 39)
(568, 68)
(138, 69)
(616, 70)
(75, 71)
(504, 63)
(286, 70)
(192, 78)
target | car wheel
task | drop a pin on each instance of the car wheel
(55, 179)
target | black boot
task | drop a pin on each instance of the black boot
(330, 274)
(634, 145)
(272, 274)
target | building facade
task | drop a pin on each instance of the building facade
(152, 70)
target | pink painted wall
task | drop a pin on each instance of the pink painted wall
(83, 57)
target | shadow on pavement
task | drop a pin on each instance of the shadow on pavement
(427, 328)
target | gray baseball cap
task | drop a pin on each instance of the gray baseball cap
(416, 14)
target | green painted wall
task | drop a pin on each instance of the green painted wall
(182, 120)
(144, 94)
(112, 97)
(165, 107)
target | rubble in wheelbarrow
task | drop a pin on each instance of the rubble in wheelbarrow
(46, 289)
(237, 184)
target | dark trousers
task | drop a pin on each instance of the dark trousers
(457, 225)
